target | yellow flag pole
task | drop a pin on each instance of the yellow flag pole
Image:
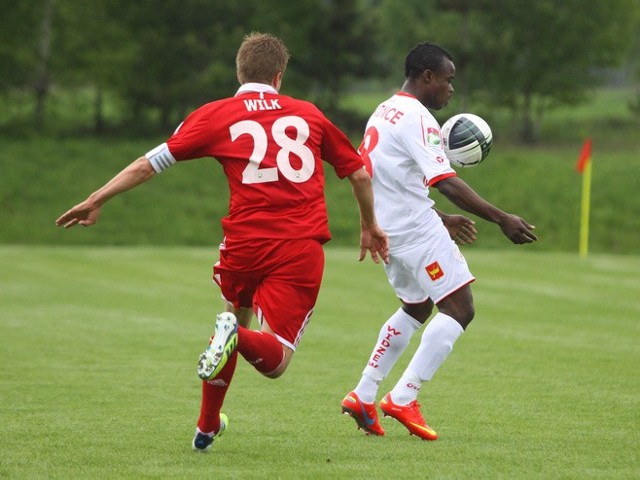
(586, 205)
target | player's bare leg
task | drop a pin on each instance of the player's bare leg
(244, 315)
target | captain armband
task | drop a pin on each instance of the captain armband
(160, 158)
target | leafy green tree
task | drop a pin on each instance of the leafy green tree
(93, 50)
(528, 56)
(177, 48)
(456, 25)
(162, 59)
(634, 61)
(25, 51)
(548, 53)
(332, 44)
(185, 50)
(18, 44)
(42, 83)
(338, 49)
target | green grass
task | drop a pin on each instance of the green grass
(97, 378)
(40, 180)
(41, 177)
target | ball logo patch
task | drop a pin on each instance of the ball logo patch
(434, 271)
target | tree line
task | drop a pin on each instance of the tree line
(160, 59)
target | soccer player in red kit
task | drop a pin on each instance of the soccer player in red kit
(271, 148)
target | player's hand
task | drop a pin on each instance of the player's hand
(461, 229)
(376, 242)
(517, 230)
(85, 214)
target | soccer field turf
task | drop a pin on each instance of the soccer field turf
(99, 347)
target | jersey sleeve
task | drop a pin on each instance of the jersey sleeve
(338, 151)
(191, 138)
(423, 140)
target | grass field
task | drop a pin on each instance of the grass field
(41, 177)
(98, 372)
(40, 180)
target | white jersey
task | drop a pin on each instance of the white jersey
(402, 144)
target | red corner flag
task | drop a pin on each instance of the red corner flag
(585, 156)
(584, 167)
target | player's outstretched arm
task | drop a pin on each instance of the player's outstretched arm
(372, 237)
(462, 195)
(87, 212)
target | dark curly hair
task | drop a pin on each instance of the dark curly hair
(425, 56)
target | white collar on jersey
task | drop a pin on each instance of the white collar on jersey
(256, 87)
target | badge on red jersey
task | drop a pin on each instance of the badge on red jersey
(434, 271)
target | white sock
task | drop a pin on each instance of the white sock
(436, 344)
(393, 339)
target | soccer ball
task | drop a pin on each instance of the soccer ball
(467, 139)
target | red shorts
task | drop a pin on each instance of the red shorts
(279, 278)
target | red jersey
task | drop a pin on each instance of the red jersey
(271, 147)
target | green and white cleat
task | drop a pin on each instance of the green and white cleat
(224, 342)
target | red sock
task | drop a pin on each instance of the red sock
(213, 393)
(262, 350)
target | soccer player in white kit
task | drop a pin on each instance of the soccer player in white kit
(403, 149)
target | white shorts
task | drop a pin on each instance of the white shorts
(434, 269)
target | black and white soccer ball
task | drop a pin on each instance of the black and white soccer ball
(467, 139)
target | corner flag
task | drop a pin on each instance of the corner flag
(584, 167)
(585, 156)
